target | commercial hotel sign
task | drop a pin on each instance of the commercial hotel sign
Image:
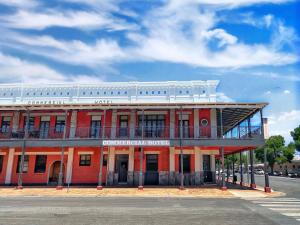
(136, 142)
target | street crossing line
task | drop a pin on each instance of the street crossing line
(289, 207)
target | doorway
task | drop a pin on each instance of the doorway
(207, 174)
(151, 175)
(54, 173)
(44, 129)
(122, 167)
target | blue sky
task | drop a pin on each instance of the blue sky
(251, 46)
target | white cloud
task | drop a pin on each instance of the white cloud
(13, 70)
(20, 3)
(286, 92)
(27, 19)
(283, 123)
(222, 97)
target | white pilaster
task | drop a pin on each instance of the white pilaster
(196, 123)
(172, 159)
(15, 121)
(111, 159)
(9, 166)
(212, 163)
(201, 161)
(73, 124)
(70, 165)
(114, 123)
(213, 123)
(132, 123)
(131, 159)
(172, 123)
(197, 160)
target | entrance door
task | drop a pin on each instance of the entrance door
(122, 167)
(54, 173)
(44, 129)
(151, 175)
(207, 169)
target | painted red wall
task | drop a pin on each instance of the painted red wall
(4, 165)
(31, 177)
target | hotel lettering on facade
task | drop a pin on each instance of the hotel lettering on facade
(135, 133)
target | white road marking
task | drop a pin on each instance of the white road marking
(281, 202)
(279, 205)
(291, 214)
(285, 209)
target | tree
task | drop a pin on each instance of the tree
(296, 137)
(275, 151)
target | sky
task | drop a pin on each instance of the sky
(251, 46)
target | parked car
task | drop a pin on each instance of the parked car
(292, 174)
(259, 172)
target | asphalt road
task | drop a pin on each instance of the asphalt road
(48, 211)
(206, 211)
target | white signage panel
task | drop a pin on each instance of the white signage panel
(136, 142)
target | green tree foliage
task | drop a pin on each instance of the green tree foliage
(296, 137)
(276, 151)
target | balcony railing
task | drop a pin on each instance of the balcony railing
(147, 132)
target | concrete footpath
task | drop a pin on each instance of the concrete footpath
(209, 192)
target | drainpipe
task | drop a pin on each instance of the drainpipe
(181, 151)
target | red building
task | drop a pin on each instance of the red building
(134, 133)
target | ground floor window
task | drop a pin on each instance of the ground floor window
(186, 163)
(40, 163)
(25, 165)
(85, 160)
(1, 163)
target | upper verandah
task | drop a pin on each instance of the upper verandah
(110, 93)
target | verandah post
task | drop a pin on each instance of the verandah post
(20, 169)
(141, 156)
(99, 187)
(241, 170)
(60, 176)
(181, 151)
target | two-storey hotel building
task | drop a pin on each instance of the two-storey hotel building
(131, 134)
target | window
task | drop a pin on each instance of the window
(25, 165)
(104, 160)
(123, 126)
(186, 163)
(95, 127)
(1, 163)
(5, 124)
(204, 122)
(154, 125)
(60, 124)
(31, 123)
(185, 128)
(85, 160)
(40, 163)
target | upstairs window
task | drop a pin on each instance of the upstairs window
(85, 160)
(31, 123)
(60, 124)
(5, 124)
(40, 163)
(25, 165)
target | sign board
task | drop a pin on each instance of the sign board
(136, 143)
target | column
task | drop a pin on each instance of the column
(196, 123)
(172, 165)
(213, 167)
(132, 123)
(233, 172)
(70, 165)
(10, 161)
(114, 124)
(73, 123)
(172, 123)
(201, 168)
(141, 183)
(252, 185)
(228, 171)
(111, 166)
(241, 170)
(213, 122)
(197, 166)
(130, 166)
(100, 175)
